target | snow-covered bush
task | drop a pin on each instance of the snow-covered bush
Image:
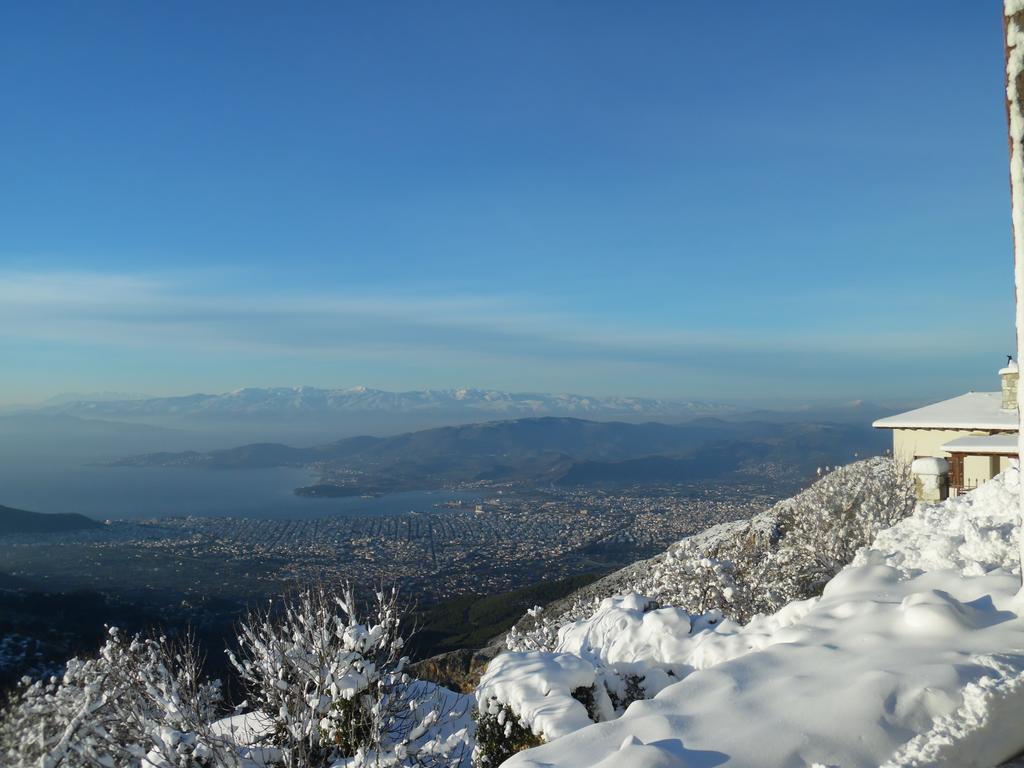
(499, 735)
(329, 690)
(788, 552)
(824, 527)
(538, 630)
(540, 635)
(330, 684)
(140, 702)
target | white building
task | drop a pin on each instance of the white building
(975, 432)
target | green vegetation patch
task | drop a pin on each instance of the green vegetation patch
(471, 621)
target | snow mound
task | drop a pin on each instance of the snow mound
(973, 534)
(540, 685)
(630, 649)
(630, 636)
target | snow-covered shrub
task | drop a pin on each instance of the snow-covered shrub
(788, 552)
(636, 648)
(140, 702)
(707, 583)
(824, 527)
(539, 632)
(316, 671)
(331, 685)
(499, 735)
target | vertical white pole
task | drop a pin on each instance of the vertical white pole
(1013, 23)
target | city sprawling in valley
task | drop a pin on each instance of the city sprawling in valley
(507, 539)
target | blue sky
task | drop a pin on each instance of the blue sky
(732, 201)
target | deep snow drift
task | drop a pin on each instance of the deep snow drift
(914, 655)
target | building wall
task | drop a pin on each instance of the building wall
(909, 444)
(980, 469)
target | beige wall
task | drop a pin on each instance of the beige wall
(980, 469)
(908, 444)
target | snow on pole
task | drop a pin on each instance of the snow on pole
(1013, 24)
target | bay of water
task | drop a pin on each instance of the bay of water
(147, 492)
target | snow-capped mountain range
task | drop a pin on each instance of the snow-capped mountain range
(311, 402)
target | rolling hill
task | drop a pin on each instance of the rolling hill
(20, 521)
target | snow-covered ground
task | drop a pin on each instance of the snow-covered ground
(972, 534)
(914, 655)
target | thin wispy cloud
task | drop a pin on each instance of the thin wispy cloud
(175, 334)
(140, 310)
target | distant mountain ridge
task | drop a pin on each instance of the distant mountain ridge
(312, 402)
(561, 450)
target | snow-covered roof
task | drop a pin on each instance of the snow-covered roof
(987, 444)
(974, 410)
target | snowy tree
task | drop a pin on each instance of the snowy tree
(332, 684)
(140, 702)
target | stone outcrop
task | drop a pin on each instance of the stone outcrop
(458, 670)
